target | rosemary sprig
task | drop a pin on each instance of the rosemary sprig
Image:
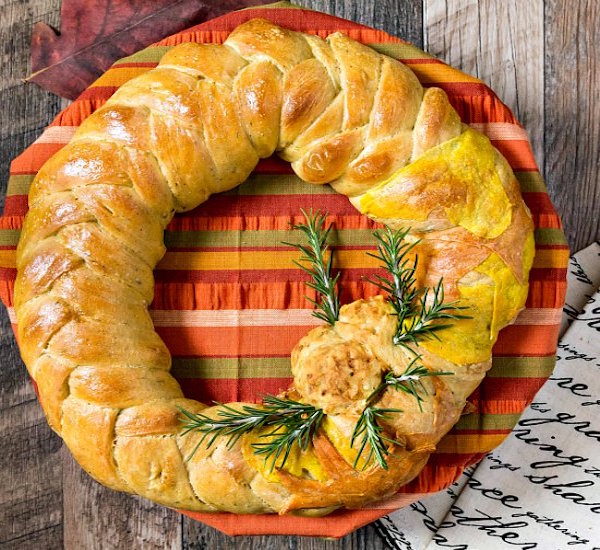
(327, 303)
(292, 422)
(423, 324)
(368, 426)
(370, 433)
(409, 381)
(392, 251)
(298, 428)
(417, 319)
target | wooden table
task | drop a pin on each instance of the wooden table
(541, 57)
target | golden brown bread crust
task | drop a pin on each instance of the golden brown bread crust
(196, 125)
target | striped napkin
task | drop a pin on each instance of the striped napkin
(230, 305)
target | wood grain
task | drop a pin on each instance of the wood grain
(30, 478)
(502, 43)
(96, 517)
(540, 57)
(400, 18)
(30, 466)
(572, 121)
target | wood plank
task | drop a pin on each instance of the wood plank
(30, 466)
(500, 42)
(403, 19)
(97, 517)
(25, 110)
(201, 537)
(30, 479)
(572, 127)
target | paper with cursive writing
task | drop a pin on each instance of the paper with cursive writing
(541, 488)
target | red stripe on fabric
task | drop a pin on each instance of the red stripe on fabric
(554, 274)
(538, 202)
(273, 165)
(15, 205)
(208, 390)
(273, 205)
(500, 389)
(188, 222)
(482, 108)
(8, 274)
(551, 247)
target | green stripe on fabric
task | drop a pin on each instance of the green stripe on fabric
(522, 367)
(260, 238)
(531, 182)
(487, 421)
(400, 51)
(549, 236)
(152, 54)
(244, 367)
(19, 185)
(279, 184)
(9, 237)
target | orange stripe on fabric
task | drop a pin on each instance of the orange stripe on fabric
(255, 294)
(551, 258)
(518, 154)
(258, 260)
(469, 443)
(232, 342)
(336, 525)
(8, 258)
(547, 288)
(434, 73)
(33, 158)
(117, 76)
(527, 340)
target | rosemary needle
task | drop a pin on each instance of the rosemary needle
(371, 433)
(313, 253)
(409, 381)
(417, 318)
(291, 422)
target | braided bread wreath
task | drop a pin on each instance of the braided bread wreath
(196, 125)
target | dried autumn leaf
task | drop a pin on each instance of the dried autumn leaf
(95, 33)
